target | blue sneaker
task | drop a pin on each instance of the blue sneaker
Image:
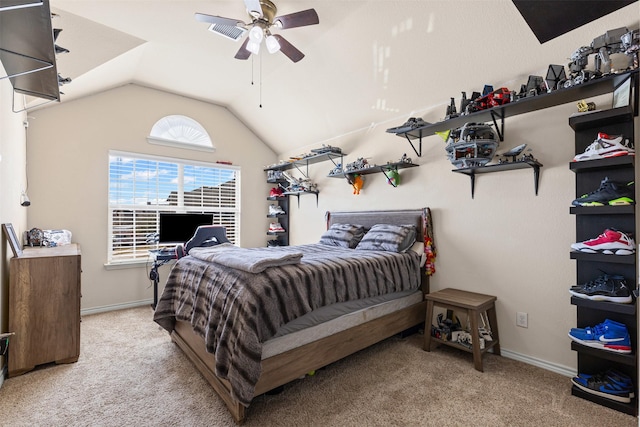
(618, 379)
(608, 335)
(602, 385)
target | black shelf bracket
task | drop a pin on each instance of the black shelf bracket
(385, 170)
(418, 152)
(499, 129)
(473, 171)
(297, 195)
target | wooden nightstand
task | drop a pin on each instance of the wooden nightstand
(474, 304)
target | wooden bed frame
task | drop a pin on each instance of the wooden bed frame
(288, 366)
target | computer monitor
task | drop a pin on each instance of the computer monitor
(177, 228)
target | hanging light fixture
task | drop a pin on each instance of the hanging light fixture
(255, 39)
(273, 45)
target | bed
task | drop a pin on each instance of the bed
(251, 326)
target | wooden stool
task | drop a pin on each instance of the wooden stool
(474, 304)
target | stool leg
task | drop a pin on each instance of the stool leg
(427, 326)
(493, 324)
(477, 353)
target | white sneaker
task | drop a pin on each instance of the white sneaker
(610, 242)
(275, 210)
(275, 227)
(605, 146)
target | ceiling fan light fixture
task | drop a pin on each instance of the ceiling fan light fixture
(256, 34)
(253, 47)
(272, 44)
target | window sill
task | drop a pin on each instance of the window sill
(127, 264)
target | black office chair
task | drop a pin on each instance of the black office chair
(205, 235)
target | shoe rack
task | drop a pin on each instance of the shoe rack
(274, 176)
(592, 221)
(278, 238)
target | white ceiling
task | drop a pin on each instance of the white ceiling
(368, 64)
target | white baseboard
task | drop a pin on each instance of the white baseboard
(559, 369)
(114, 307)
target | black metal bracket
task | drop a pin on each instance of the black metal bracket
(418, 153)
(500, 115)
(384, 170)
(473, 171)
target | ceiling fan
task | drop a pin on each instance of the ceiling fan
(263, 18)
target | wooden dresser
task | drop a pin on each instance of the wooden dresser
(44, 307)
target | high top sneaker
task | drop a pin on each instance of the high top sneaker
(612, 288)
(276, 192)
(609, 335)
(275, 210)
(609, 193)
(610, 242)
(605, 146)
(275, 227)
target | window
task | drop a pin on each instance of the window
(140, 187)
(180, 131)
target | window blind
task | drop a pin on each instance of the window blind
(141, 187)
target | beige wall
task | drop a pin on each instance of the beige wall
(12, 182)
(68, 173)
(506, 241)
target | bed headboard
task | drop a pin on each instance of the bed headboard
(417, 217)
(369, 218)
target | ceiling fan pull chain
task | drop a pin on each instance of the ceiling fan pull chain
(260, 81)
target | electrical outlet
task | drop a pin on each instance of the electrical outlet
(522, 319)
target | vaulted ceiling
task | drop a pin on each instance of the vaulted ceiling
(368, 63)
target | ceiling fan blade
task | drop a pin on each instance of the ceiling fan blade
(243, 53)
(212, 19)
(297, 19)
(288, 49)
(254, 8)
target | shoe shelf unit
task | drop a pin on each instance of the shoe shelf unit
(592, 221)
(384, 169)
(524, 164)
(281, 237)
(302, 165)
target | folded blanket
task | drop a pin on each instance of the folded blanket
(251, 260)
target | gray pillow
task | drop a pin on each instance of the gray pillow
(387, 237)
(344, 235)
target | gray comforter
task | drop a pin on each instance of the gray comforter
(235, 311)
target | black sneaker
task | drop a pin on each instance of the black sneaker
(609, 193)
(607, 287)
(603, 386)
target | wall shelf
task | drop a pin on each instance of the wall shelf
(473, 171)
(384, 169)
(589, 89)
(306, 161)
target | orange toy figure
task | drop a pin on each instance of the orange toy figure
(358, 182)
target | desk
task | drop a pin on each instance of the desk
(160, 258)
(474, 304)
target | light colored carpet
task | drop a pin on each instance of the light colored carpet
(131, 374)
